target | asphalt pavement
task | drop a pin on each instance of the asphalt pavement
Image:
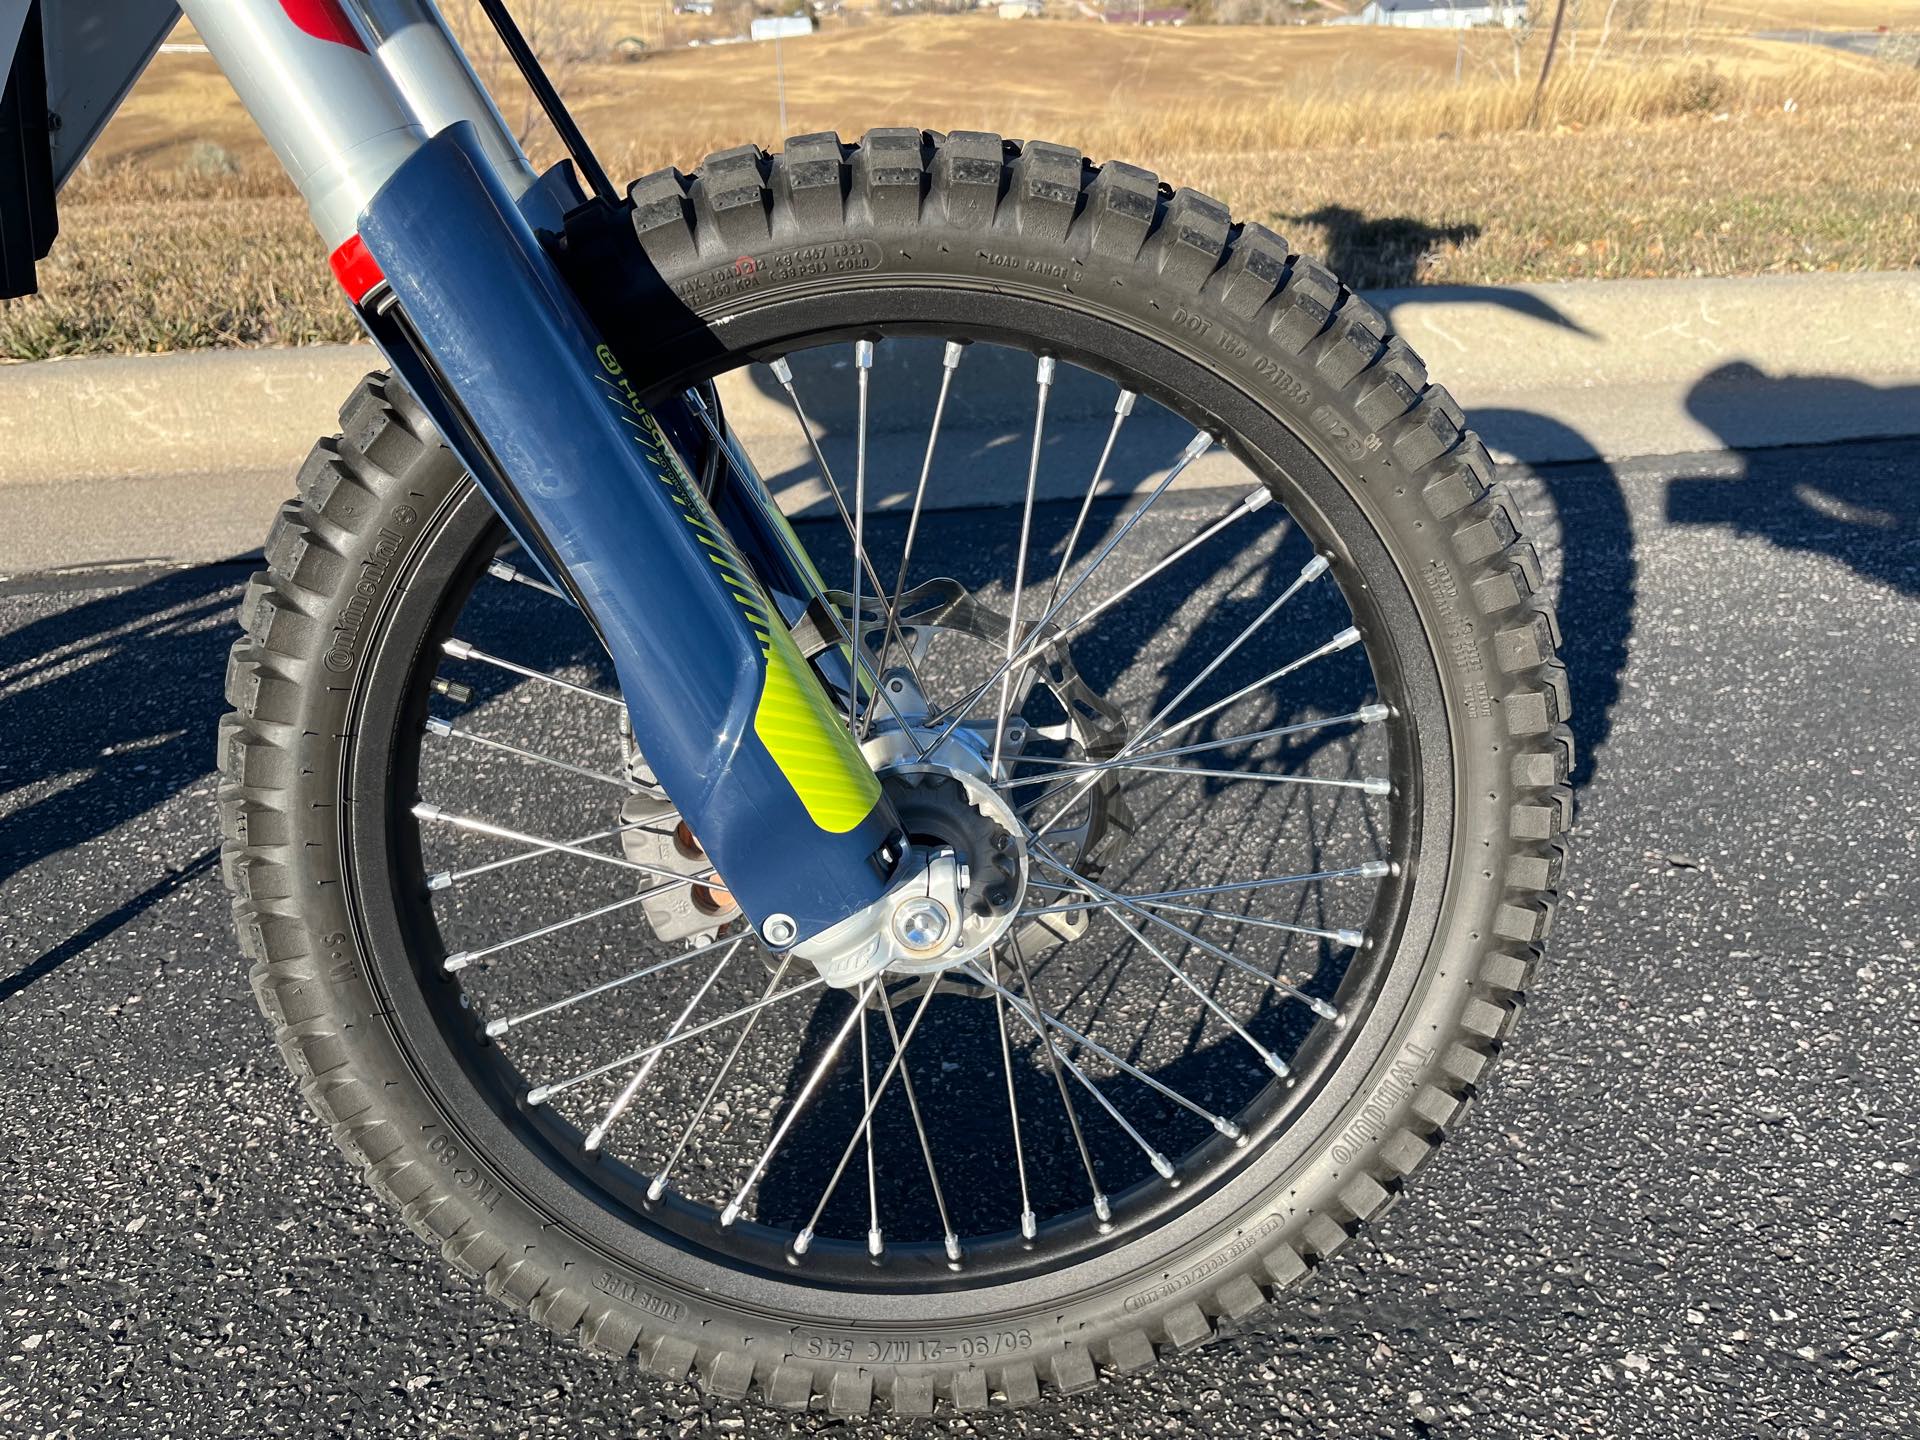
(1687, 1206)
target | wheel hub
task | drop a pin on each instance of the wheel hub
(950, 811)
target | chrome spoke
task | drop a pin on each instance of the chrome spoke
(463, 650)
(1162, 1166)
(1369, 786)
(1365, 870)
(949, 362)
(540, 1094)
(876, 1240)
(435, 815)
(1029, 1223)
(1319, 1007)
(1198, 446)
(1254, 500)
(502, 1026)
(799, 1102)
(1365, 715)
(951, 1240)
(1101, 1207)
(1311, 571)
(1267, 1058)
(783, 373)
(513, 574)
(1043, 384)
(1147, 733)
(804, 1239)
(1342, 641)
(461, 959)
(1349, 938)
(1122, 407)
(447, 730)
(658, 1185)
(1002, 996)
(597, 1136)
(863, 364)
(445, 879)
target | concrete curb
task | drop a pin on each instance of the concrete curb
(1547, 372)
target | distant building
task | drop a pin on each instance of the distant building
(1021, 9)
(1438, 14)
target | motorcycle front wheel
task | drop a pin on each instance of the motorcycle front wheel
(1279, 806)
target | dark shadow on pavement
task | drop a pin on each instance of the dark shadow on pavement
(107, 708)
(1869, 520)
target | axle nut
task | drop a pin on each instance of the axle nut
(921, 924)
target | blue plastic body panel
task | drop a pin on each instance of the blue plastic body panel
(530, 397)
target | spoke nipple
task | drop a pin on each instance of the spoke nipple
(953, 1248)
(439, 880)
(1376, 869)
(1102, 1209)
(1043, 374)
(657, 1187)
(1352, 939)
(437, 726)
(1029, 1224)
(1198, 446)
(803, 1242)
(497, 1028)
(596, 1137)
(730, 1214)
(1377, 786)
(1124, 405)
(459, 960)
(782, 371)
(1328, 1012)
(1227, 1128)
(1277, 1065)
(458, 649)
(1373, 714)
(863, 354)
(955, 349)
(1314, 568)
(1163, 1165)
(501, 570)
(1257, 499)
(538, 1095)
(1346, 637)
(424, 811)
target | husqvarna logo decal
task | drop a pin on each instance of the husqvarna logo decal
(793, 717)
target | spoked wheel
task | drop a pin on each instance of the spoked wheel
(1211, 659)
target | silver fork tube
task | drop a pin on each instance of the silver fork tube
(345, 102)
(329, 109)
(411, 39)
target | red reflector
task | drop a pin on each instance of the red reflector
(354, 267)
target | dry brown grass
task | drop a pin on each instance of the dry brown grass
(1669, 165)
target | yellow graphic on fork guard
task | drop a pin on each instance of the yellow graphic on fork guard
(793, 718)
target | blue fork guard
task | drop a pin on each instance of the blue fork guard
(495, 344)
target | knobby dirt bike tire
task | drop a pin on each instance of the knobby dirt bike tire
(1038, 225)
